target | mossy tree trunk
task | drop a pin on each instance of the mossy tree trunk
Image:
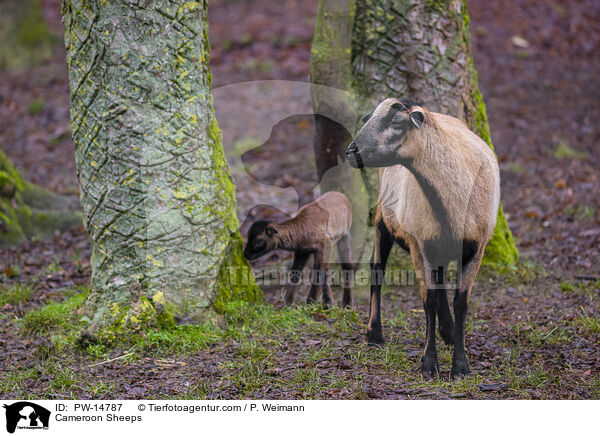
(418, 49)
(156, 194)
(335, 117)
(30, 211)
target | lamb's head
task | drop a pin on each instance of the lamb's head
(261, 240)
(383, 140)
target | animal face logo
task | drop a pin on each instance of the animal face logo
(26, 415)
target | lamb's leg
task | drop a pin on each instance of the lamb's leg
(344, 246)
(381, 251)
(314, 293)
(470, 267)
(295, 278)
(315, 286)
(324, 272)
(446, 323)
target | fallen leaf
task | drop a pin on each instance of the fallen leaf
(11, 272)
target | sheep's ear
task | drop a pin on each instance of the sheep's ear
(367, 117)
(417, 117)
(270, 231)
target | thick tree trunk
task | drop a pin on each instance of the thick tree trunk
(421, 49)
(157, 197)
(28, 211)
(336, 115)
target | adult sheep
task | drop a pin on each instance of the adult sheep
(439, 192)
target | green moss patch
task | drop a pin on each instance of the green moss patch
(14, 294)
(565, 151)
(36, 106)
(236, 279)
(57, 317)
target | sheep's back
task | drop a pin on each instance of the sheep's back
(463, 170)
(329, 215)
(339, 213)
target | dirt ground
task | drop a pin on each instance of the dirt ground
(533, 332)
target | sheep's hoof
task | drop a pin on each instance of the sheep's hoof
(460, 368)
(429, 366)
(375, 337)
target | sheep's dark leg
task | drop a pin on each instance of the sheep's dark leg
(429, 362)
(295, 277)
(345, 251)
(471, 261)
(446, 322)
(435, 257)
(381, 251)
(460, 364)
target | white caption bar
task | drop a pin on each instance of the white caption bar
(154, 417)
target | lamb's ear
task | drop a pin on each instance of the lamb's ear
(417, 117)
(270, 231)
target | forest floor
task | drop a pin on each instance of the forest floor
(533, 331)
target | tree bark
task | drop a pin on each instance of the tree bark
(30, 211)
(336, 115)
(421, 49)
(156, 193)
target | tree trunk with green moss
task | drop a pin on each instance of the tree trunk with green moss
(30, 211)
(157, 197)
(335, 117)
(419, 49)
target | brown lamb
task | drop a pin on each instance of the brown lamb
(315, 229)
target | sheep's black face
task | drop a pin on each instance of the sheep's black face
(378, 143)
(259, 241)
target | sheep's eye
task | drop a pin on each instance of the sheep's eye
(258, 243)
(398, 126)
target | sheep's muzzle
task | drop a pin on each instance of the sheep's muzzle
(353, 156)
